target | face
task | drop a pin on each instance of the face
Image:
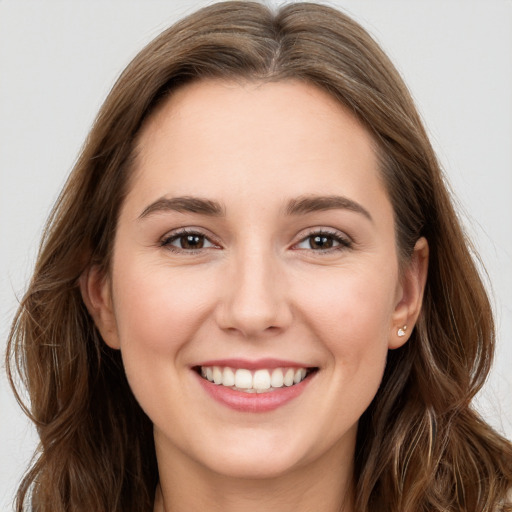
(255, 290)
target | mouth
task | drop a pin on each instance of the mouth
(262, 380)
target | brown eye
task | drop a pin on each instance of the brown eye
(187, 242)
(191, 241)
(321, 242)
(324, 242)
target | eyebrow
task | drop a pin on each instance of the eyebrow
(298, 206)
(310, 204)
(184, 204)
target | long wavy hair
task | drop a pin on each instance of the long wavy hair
(420, 445)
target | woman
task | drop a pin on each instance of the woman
(254, 293)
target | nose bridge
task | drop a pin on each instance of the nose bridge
(255, 300)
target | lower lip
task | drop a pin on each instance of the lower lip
(253, 402)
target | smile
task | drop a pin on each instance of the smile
(250, 381)
(254, 387)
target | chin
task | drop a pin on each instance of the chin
(249, 453)
(254, 468)
(259, 454)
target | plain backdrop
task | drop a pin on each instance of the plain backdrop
(58, 60)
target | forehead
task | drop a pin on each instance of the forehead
(216, 137)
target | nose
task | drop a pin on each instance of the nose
(254, 299)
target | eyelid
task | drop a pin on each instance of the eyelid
(344, 240)
(175, 234)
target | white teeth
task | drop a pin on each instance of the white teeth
(288, 377)
(299, 375)
(277, 379)
(228, 377)
(243, 379)
(217, 375)
(260, 381)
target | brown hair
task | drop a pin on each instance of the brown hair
(420, 446)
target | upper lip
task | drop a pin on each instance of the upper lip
(256, 364)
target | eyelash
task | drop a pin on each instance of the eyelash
(343, 241)
(167, 241)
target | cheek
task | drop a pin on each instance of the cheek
(156, 309)
(350, 313)
(350, 307)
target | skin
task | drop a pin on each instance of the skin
(256, 289)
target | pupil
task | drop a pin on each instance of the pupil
(321, 242)
(192, 242)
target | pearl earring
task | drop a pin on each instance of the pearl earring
(401, 331)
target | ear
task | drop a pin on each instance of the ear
(97, 295)
(410, 297)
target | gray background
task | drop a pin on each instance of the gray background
(58, 59)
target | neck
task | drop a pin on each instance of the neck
(325, 484)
